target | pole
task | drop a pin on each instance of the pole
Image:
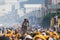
(56, 7)
(56, 14)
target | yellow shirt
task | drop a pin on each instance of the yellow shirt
(39, 36)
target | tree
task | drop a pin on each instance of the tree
(47, 18)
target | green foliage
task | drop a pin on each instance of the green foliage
(58, 14)
(47, 18)
(46, 21)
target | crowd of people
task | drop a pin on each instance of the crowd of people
(25, 33)
(37, 34)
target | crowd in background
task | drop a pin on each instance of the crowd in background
(29, 33)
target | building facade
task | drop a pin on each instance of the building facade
(52, 6)
(34, 12)
(36, 8)
(55, 1)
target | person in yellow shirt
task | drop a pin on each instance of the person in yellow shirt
(41, 37)
(18, 35)
(9, 33)
(56, 35)
(51, 33)
(46, 37)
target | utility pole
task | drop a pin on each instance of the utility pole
(56, 7)
(56, 18)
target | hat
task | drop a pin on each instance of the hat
(28, 36)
